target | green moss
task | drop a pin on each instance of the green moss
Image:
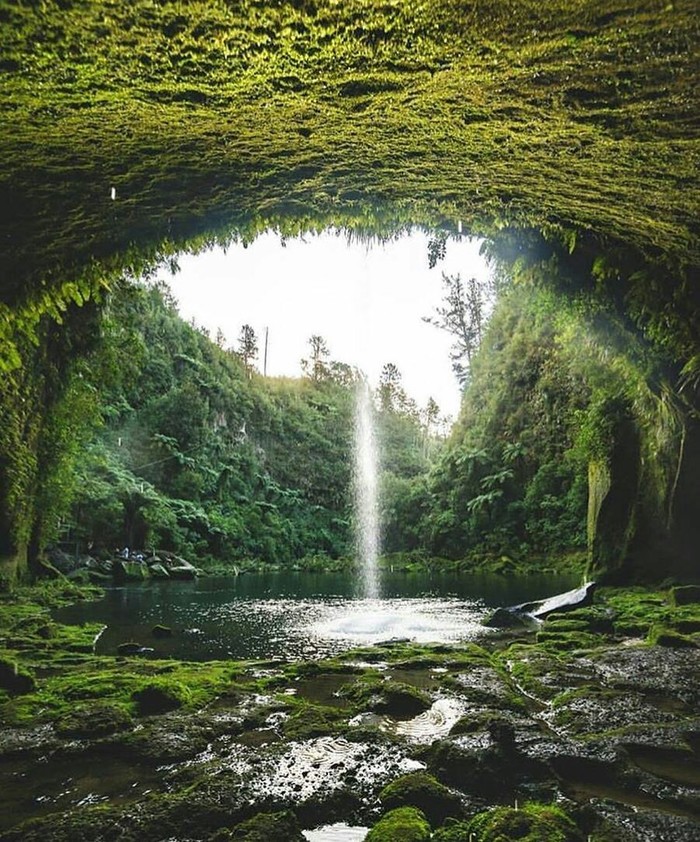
(568, 641)
(312, 721)
(160, 696)
(532, 823)
(660, 636)
(393, 697)
(93, 720)
(265, 827)
(406, 824)
(425, 792)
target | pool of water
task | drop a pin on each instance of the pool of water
(300, 615)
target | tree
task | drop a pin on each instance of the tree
(390, 388)
(248, 348)
(316, 366)
(463, 316)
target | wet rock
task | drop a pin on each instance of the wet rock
(590, 710)
(625, 823)
(175, 737)
(659, 673)
(569, 601)
(425, 792)
(158, 571)
(405, 823)
(161, 631)
(131, 648)
(18, 741)
(507, 618)
(130, 571)
(486, 687)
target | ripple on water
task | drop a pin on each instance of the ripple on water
(434, 723)
(422, 620)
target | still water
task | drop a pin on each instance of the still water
(301, 615)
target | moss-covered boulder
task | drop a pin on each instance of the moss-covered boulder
(14, 678)
(130, 571)
(425, 792)
(161, 631)
(532, 823)
(661, 636)
(160, 695)
(265, 827)
(310, 721)
(392, 697)
(91, 721)
(405, 824)
(685, 595)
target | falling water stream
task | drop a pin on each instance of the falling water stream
(365, 491)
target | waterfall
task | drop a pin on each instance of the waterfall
(365, 491)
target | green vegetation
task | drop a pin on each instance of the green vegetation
(424, 792)
(405, 823)
(533, 823)
(199, 454)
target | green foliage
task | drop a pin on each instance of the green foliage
(532, 823)
(405, 823)
(161, 695)
(510, 479)
(200, 458)
(265, 827)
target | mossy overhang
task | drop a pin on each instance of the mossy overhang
(132, 131)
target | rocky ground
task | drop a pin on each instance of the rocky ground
(587, 727)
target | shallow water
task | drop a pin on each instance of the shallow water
(300, 615)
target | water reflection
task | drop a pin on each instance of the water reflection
(299, 615)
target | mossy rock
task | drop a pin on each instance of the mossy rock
(160, 631)
(130, 571)
(159, 696)
(15, 679)
(568, 641)
(425, 792)
(392, 697)
(661, 636)
(91, 721)
(265, 827)
(685, 595)
(532, 823)
(311, 721)
(405, 824)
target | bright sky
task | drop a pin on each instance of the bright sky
(366, 301)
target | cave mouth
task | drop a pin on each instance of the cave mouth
(563, 135)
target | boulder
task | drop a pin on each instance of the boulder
(158, 571)
(685, 595)
(425, 792)
(129, 571)
(508, 618)
(14, 678)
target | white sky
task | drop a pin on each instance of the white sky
(366, 301)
